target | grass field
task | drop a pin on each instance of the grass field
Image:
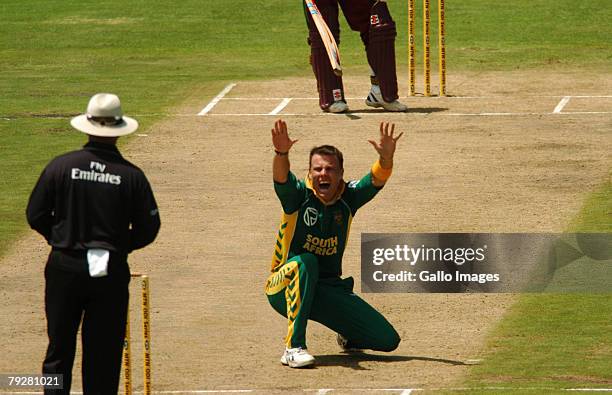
(554, 341)
(58, 54)
(55, 54)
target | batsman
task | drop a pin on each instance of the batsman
(305, 281)
(373, 21)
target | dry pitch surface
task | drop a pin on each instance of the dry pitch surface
(500, 160)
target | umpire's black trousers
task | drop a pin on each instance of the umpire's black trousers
(71, 295)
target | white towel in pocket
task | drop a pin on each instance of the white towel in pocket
(97, 259)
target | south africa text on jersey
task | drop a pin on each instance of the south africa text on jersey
(319, 246)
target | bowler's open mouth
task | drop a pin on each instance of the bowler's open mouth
(324, 186)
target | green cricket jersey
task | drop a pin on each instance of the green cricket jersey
(309, 225)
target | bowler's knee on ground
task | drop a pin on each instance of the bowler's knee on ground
(338, 308)
(296, 292)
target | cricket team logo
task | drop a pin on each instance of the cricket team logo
(374, 20)
(337, 94)
(310, 216)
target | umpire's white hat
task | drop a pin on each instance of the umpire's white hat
(104, 118)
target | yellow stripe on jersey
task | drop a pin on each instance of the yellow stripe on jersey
(348, 222)
(348, 229)
(283, 239)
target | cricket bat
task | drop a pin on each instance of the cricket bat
(326, 36)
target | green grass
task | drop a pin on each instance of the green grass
(518, 34)
(24, 153)
(154, 54)
(552, 341)
(596, 214)
(555, 341)
(527, 34)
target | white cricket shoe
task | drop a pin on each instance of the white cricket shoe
(297, 358)
(375, 100)
(338, 107)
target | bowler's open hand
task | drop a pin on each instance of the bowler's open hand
(280, 137)
(386, 145)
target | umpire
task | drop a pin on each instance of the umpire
(93, 207)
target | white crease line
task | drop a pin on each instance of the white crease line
(140, 392)
(26, 393)
(590, 97)
(584, 112)
(216, 100)
(200, 392)
(561, 104)
(280, 107)
(364, 114)
(404, 391)
(434, 97)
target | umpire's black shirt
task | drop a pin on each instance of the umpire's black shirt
(94, 198)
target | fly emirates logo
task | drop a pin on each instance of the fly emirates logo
(95, 174)
(319, 246)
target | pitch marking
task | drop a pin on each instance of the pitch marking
(558, 110)
(480, 114)
(402, 391)
(200, 392)
(216, 100)
(433, 97)
(280, 107)
(140, 392)
(561, 104)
